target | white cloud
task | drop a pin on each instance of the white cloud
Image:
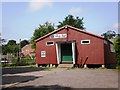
(75, 10)
(35, 5)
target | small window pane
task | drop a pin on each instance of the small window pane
(85, 41)
(49, 43)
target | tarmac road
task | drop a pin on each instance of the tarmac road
(61, 78)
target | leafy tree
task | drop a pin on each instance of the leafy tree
(41, 31)
(2, 41)
(4, 49)
(10, 47)
(117, 48)
(109, 34)
(23, 43)
(11, 42)
(70, 20)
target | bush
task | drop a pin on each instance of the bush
(117, 49)
(22, 62)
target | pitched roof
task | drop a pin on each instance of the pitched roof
(67, 26)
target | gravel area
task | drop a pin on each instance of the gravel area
(62, 78)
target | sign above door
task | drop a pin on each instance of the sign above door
(58, 36)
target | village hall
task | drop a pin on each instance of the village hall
(70, 45)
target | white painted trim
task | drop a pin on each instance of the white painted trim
(85, 40)
(49, 44)
(57, 53)
(73, 52)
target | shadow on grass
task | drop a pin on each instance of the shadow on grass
(54, 87)
(20, 70)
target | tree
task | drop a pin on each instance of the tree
(117, 49)
(41, 31)
(23, 43)
(11, 42)
(2, 41)
(109, 34)
(4, 49)
(70, 20)
(10, 47)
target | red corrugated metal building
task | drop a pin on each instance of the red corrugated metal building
(74, 46)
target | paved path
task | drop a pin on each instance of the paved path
(62, 78)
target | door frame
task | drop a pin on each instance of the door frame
(58, 50)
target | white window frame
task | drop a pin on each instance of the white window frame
(42, 53)
(85, 40)
(49, 44)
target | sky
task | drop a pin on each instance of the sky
(20, 19)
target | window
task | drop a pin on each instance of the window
(85, 41)
(49, 43)
(112, 48)
(43, 53)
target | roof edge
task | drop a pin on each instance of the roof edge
(50, 33)
(66, 26)
(86, 32)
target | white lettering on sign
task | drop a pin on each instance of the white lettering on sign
(58, 36)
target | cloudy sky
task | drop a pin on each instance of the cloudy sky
(20, 19)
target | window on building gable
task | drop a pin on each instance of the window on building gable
(49, 43)
(85, 41)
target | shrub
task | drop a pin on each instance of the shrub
(22, 62)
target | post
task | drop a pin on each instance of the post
(103, 66)
(36, 65)
(85, 66)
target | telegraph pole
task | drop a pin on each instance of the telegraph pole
(20, 49)
(19, 57)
